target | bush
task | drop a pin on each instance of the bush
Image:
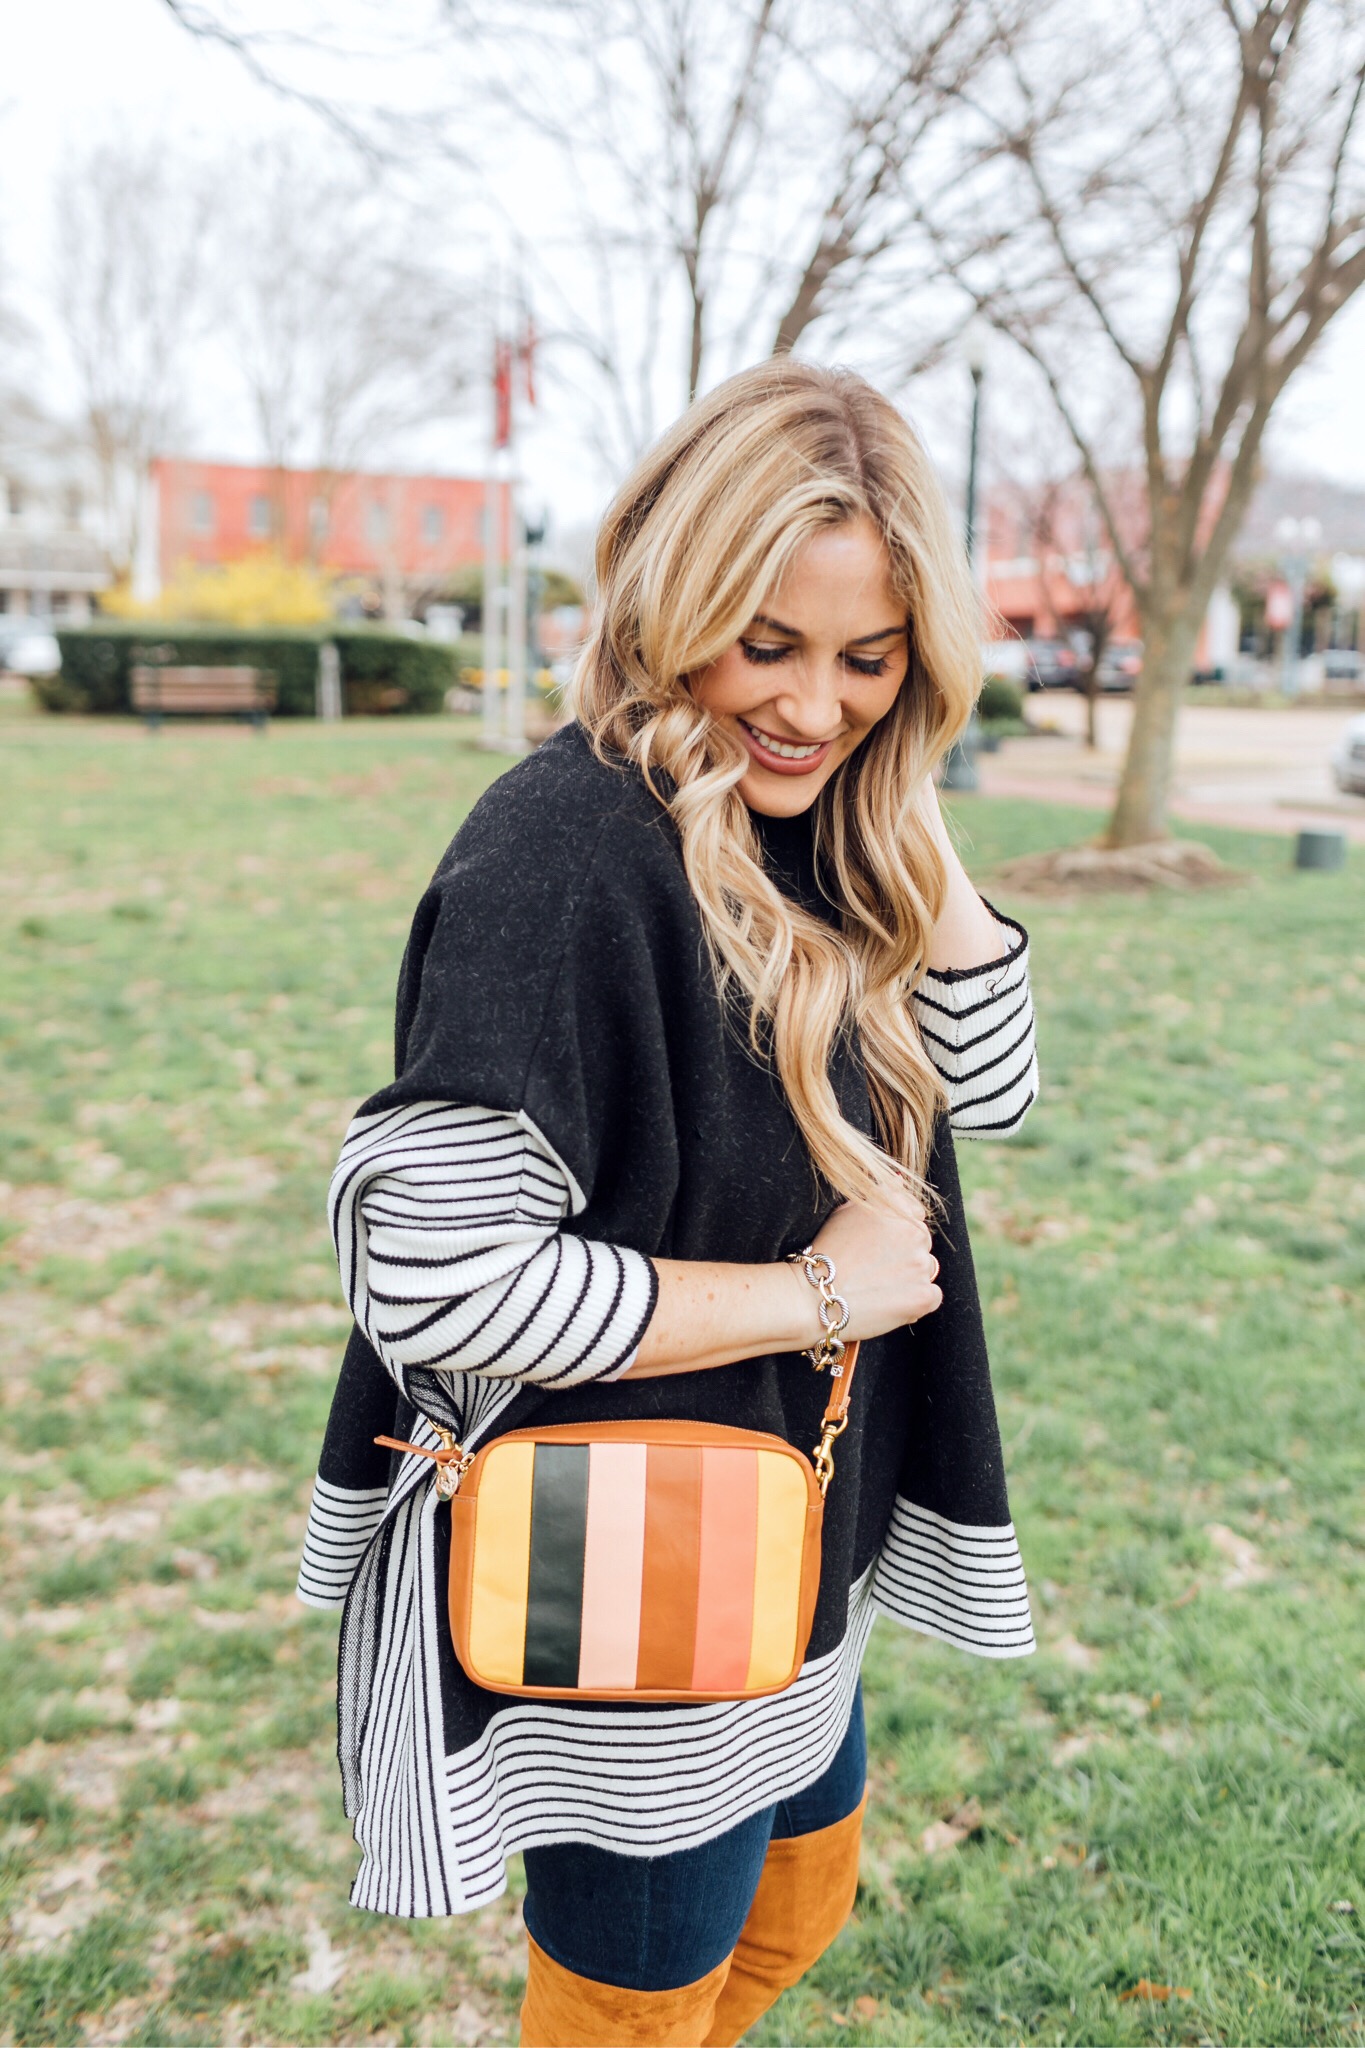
(380, 670)
(1000, 698)
(258, 590)
(389, 672)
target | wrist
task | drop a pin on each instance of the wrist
(803, 1328)
(817, 1271)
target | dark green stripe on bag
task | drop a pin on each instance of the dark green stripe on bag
(559, 1525)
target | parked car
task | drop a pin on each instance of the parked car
(1343, 665)
(1053, 665)
(27, 648)
(1120, 664)
(1348, 759)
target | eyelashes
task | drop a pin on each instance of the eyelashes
(765, 657)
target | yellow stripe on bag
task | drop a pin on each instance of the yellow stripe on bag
(777, 1568)
(502, 1564)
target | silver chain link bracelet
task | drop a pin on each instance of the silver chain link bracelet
(818, 1268)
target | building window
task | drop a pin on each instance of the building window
(318, 520)
(376, 523)
(73, 503)
(258, 517)
(15, 494)
(433, 523)
(201, 512)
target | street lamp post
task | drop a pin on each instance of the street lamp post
(959, 769)
(514, 697)
(1298, 538)
(977, 366)
(494, 598)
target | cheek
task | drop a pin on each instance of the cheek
(726, 685)
(880, 696)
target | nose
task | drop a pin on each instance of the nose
(811, 703)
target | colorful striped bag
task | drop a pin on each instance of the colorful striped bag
(636, 1561)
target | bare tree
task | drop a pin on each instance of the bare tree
(345, 325)
(284, 62)
(1095, 595)
(1185, 181)
(682, 185)
(132, 226)
(21, 418)
(736, 179)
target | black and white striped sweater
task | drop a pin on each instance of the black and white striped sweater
(448, 1220)
(465, 1233)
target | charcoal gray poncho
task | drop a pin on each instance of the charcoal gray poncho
(571, 1101)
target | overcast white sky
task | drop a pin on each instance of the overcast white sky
(74, 67)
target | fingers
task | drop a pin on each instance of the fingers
(933, 1299)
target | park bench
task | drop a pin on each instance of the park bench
(203, 692)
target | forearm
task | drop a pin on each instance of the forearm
(965, 934)
(709, 1314)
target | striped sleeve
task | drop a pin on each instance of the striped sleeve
(952, 1580)
(977, 1027)
(447, 1225)
(341, 1522)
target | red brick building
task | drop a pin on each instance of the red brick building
(1050, 565)
(398, 537)
(1049, 562)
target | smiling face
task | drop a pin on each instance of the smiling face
(819, 664)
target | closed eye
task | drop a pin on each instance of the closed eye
(764, 654)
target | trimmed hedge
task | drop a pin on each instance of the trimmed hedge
(380, 671)
(1000, 698)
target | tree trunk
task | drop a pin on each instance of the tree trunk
(1097, 625)
(1139, 815)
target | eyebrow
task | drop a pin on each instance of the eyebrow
(776, 626)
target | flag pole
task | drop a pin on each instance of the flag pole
(493, 521)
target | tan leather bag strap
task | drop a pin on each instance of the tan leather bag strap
(453, 1460)
(835, 1419)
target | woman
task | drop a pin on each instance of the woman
(696, 985)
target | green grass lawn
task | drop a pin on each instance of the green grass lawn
(201, 933)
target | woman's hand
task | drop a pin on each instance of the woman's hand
(884, 1265)
(708, 1315)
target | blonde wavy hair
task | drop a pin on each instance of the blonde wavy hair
(694, 542)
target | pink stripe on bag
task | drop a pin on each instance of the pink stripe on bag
(725, 1581)
(609, 1644)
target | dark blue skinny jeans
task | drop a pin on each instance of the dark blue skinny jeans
(655, 1923)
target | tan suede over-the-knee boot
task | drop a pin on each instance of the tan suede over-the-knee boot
(562, 2010)
(804, 1897)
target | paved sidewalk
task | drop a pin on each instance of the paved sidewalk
(1259, 770)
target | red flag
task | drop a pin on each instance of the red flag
(502, 394)
(527, 354)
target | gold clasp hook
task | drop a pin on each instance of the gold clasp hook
(823, 1454)
(452, 1461)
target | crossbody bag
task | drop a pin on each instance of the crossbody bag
(651, 1561)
